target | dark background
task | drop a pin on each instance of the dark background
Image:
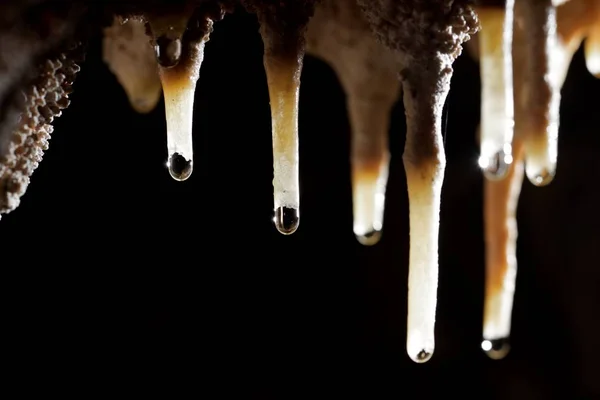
(114, 272)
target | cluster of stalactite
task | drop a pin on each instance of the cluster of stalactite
(380, 50)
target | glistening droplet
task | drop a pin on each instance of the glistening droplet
(541, 178)
(369, 238)
(179, 167)
(168, 51)
(496, 349)
(422, 356)
(495, 167)
(286, 220)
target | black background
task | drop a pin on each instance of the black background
(113, 271)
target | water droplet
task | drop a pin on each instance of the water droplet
(422, 356)
(286, 220)
(168, 51)
(495, 167)
(369, 238)
(179, 167)
(541, 178)
(496, 349)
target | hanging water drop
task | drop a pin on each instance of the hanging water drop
(180, 168)
(286, 220)
(168, 51)
(496, 166)
(496, 349)
(369, 238)
(540, 177)
(422, 356)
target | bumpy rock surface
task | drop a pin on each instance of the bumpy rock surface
(29, 31)
(44, 100)
(422, 27)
